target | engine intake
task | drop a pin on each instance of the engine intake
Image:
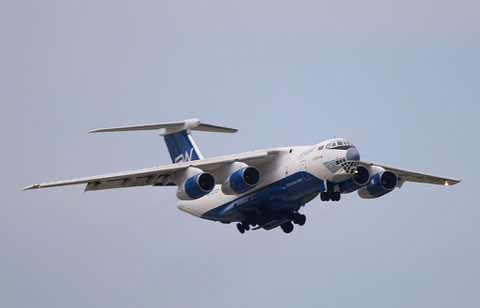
(196, 187)
(360, 177)
(380, 184)
(241, 181)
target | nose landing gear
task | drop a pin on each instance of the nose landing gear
(330, 193)
(326, 196)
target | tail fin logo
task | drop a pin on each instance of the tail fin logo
(184, 157)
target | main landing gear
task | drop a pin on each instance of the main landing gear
(242, 227)
(296, 218)
(287, 227)
(299, 219)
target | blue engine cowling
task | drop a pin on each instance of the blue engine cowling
(380, 184)
(196, 187)
(241, 181)
(360, 178)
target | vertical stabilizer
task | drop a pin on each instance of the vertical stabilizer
(182, 147)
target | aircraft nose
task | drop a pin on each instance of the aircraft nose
(353, 154)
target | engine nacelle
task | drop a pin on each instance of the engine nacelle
(196, 187)
(360, 178)
(380, 184)
(241, 181)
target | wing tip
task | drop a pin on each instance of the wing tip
(34, 186)
(97, 130)
(450, 182)
(229, 131)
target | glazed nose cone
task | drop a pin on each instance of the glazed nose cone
(352, 154)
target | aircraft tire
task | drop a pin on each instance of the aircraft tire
(336, 196)
(287, 227)
(245, 226)
(325, 196)
(302, 220)
(240, 228)
(299, 219)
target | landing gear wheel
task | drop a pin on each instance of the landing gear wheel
(325, 196)
(245, 226)
(287, 227)
(336, 196)
(301, 220)
(240, 228)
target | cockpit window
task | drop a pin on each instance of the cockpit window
(339, 145)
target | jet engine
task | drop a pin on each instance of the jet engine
(360, 178)
(196, 187)
(380, 184)
(241, 181)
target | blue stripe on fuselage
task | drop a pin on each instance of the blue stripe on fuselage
(285, 193)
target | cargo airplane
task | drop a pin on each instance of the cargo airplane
(259, 189)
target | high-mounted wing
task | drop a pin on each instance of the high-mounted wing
(413, 176)
(158, 176)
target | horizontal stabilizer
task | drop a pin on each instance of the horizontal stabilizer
(170, 127)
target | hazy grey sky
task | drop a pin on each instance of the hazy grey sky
(400, 79)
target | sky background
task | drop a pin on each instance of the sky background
(400, 79)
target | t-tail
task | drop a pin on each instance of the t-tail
(180, 142)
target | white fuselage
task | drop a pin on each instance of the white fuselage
(289, 160)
